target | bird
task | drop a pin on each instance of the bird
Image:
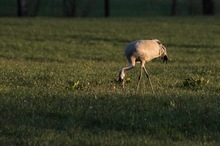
(142, 51)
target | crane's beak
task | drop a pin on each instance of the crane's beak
(120, 79)
(165, 59)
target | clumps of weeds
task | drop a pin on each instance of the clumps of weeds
(195, 82)
(203, 71)
(128, 80)
(82, 86)
(75, 85)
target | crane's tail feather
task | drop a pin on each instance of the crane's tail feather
(165, 59)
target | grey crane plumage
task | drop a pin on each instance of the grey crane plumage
(142, 51)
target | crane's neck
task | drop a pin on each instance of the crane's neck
(123, 70)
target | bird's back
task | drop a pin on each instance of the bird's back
(143, 50)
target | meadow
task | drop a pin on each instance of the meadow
(58, 82)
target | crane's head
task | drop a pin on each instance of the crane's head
(121, 75)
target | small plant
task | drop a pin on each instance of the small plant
(75, 85)
(195, 82)
(128, 80)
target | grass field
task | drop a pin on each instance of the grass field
(58, 83)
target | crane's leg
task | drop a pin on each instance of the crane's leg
(148, 78)
(139, 79)
(123, 84)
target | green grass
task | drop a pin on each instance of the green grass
(42, 59)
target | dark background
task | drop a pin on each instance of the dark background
(108, 8)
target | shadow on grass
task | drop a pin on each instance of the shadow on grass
(155, 115)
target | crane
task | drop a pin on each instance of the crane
(142, 51)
